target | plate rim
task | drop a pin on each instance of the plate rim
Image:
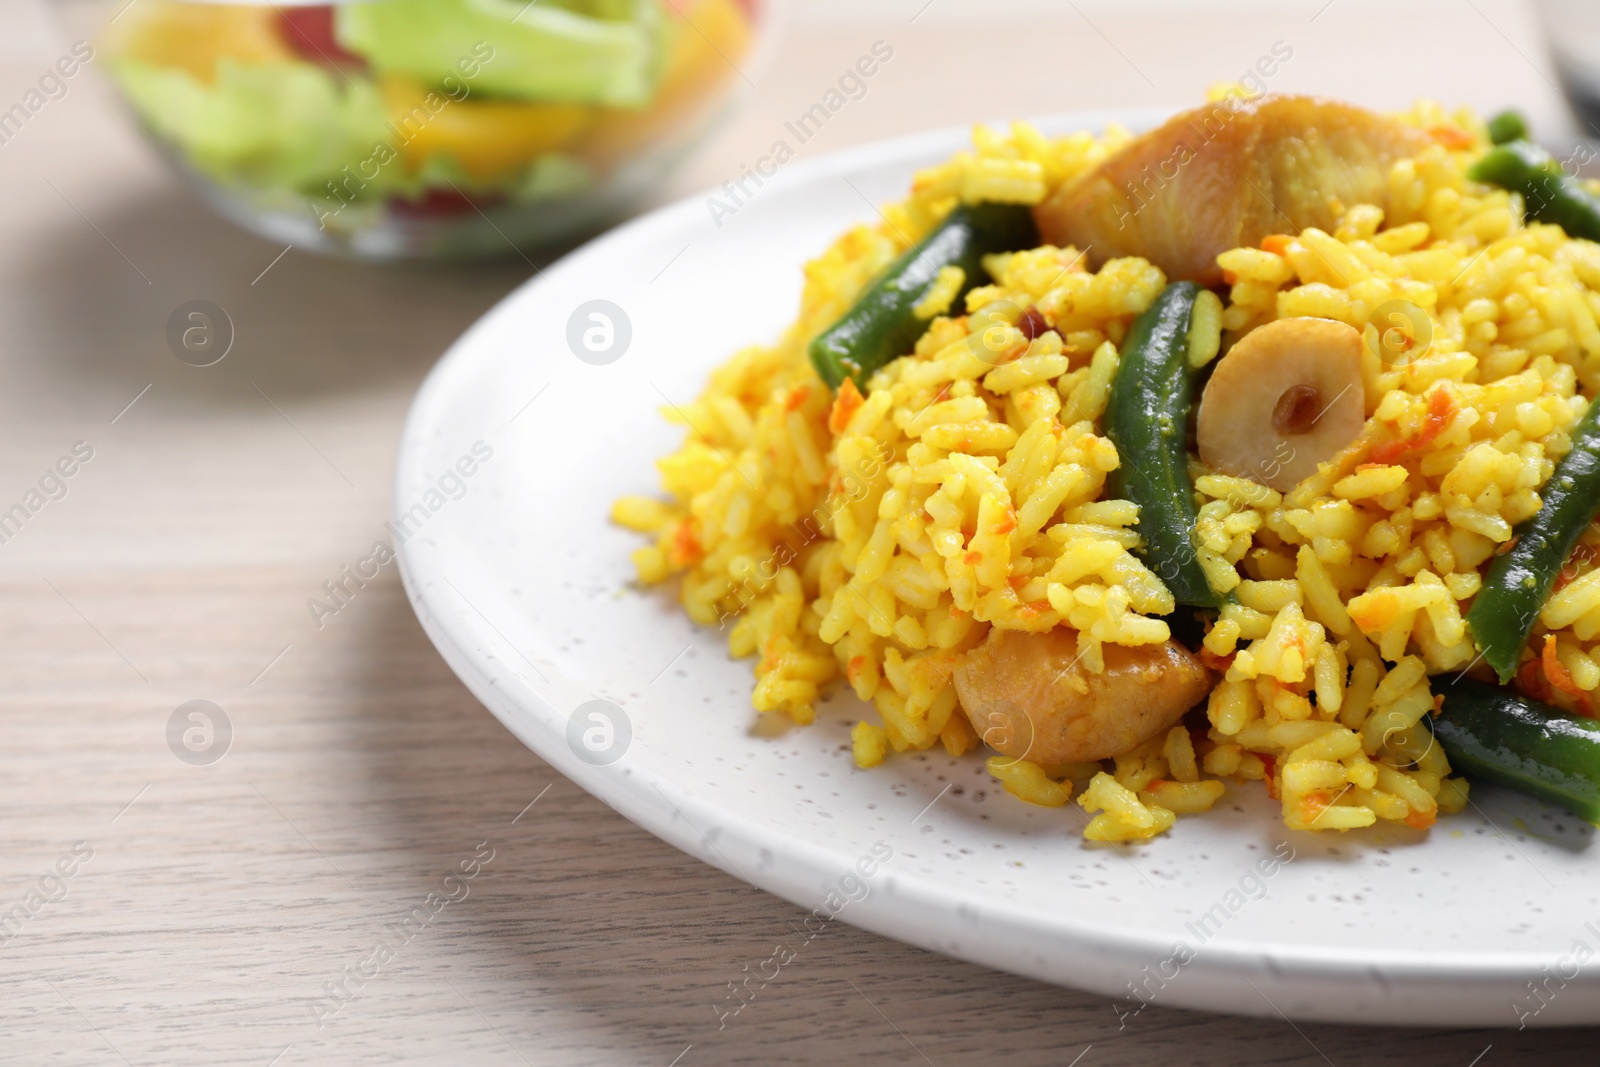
(1398, 978)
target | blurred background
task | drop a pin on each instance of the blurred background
(220, 477)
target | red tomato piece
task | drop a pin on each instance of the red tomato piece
(309, 31)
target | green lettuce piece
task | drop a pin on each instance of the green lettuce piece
(552, 177)
(289, 126)
(548, 177)
(608, 52)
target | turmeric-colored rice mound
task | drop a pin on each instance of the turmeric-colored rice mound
(880, 535)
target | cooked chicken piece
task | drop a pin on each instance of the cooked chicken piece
(1287, 397)
(1029, 695)
(1224, 176)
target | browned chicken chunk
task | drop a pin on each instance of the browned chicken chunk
(1224, 176)
(1029, 696)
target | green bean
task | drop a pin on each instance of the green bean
(1147, 418)
(1520, 578)
(882, 326)
(1550, 193)
(1508, 126)
(1493, 733)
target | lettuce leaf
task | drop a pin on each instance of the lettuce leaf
(608, 52)
(273, 125)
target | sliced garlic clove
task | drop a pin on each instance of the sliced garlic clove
(1287, 397)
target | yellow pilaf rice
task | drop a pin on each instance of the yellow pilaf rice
(882, 540)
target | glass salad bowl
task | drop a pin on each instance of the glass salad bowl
(405, 129)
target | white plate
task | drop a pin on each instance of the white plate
(526, 589)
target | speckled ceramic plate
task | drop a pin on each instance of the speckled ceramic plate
(515, 448)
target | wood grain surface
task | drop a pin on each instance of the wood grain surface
(209, 909)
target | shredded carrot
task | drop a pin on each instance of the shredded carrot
(796, 397)
(853, 668)
(1561, 678)
(1007, 524)
(972, 558)
(1532, 682)
(1536, 678)
(845, 405)
(1277, 243)
(1441, 410)
(1422, 820)
(1451, 137)
(685, 548)
(1555, 671)
(1271, 765)
(1376, 612)
(1229, 277)
(1314, 804)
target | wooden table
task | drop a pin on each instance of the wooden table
(221, 901)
